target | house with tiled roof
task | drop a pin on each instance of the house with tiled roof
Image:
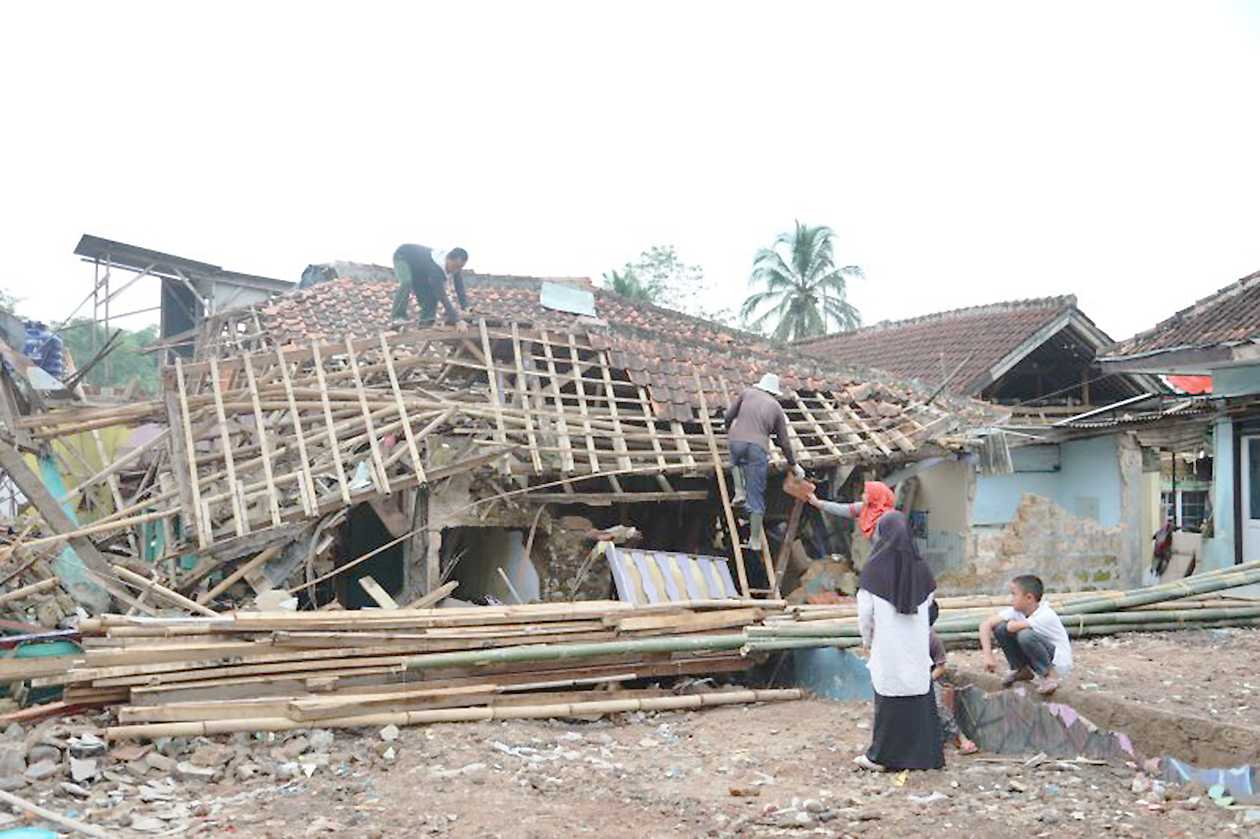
(1216, 337)
(1039, 358)
(1036, 354)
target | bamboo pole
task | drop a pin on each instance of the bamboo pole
(564, 652)
(573, 709)
(68, 823)
(163, 592)
(27, 591)
(245, 568)
(849, 629)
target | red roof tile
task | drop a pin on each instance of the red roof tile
(1230, 316)
(655, 344)
(928, 348)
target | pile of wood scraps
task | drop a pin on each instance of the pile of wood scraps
(273, 671)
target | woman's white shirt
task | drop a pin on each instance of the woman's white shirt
(900, 663)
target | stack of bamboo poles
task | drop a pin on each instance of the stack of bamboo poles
(1195, 602)
(273, 671)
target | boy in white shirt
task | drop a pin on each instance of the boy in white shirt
(1031, 636)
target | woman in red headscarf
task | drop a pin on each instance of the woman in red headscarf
(877, 499)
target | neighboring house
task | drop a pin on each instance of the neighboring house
(1067, 503)
(1037, 356)
(191, 291)
(1219, 336)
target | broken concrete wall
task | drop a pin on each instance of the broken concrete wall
(1074, 513)
(1069, 552)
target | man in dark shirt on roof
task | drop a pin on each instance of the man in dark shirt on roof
(752, 418)
(424, 272)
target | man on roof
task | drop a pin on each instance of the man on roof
(753, 417)
(424, 271)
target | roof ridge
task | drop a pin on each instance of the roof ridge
(1196, 308)
(1061, 301)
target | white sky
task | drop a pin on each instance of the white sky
(964, 153)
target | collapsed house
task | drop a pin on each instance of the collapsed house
(299, 439)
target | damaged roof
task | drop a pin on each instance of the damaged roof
(1230, 316)
(654, 345)
(985, 340)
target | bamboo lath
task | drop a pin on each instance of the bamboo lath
(262, 439)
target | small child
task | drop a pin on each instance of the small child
(1031, 636)
(949, 726)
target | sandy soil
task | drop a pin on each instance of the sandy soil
(774, 770)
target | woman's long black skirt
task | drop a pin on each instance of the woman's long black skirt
(907, 733)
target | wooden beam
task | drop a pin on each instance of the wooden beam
(380, 595)
(330, 425)
(721, 481)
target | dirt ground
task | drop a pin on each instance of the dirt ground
(1202, 672)
(781, 769)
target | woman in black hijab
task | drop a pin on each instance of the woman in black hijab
(896, 606)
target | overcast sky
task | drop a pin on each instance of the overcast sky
(964, 153)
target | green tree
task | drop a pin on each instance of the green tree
(626, 283)
(83, 338)
(802, 291)
(660, 276)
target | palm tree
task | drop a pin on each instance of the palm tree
(628, 285)
(803, 292)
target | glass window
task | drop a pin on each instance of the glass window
(1193, 506)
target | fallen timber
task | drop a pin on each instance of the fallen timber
(1194, 602)
(274, 671)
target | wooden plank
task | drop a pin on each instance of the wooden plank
(380, 595)
(330, 425)
(255, 563)
(818, 429)
(379, 476)
(496, 401)
(417, 464)
(785, 550)
(162, 592)
(225, 438)
(522, 390)
(651, 424)
(684, 623)
(264, 444)
(582, 405)
(190, 447)
(562, 425)
(834, 415)
(680, 441)
(732, 528)
(306, 484)
(434, 597)
(619, 440)
(856, 420)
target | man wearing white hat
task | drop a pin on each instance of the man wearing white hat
(754, 416)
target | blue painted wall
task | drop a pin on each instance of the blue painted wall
(831, 673)
(1086, 482)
